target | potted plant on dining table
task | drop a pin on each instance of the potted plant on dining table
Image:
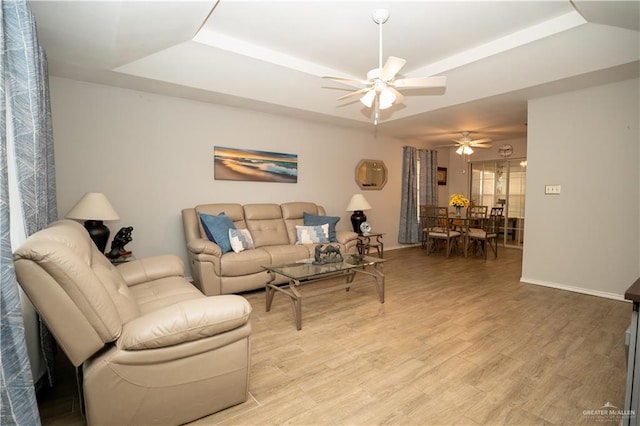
(458, 201)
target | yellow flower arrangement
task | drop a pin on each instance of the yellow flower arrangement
(458, 200)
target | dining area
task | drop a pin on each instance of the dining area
(461, 228)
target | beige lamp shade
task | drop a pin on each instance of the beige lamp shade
(358, 202)
(93, 206)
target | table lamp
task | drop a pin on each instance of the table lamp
(94, 208)
(357, 205)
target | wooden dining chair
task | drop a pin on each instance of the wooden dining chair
(475, 215)
(473, 223)
(426, 210)
(498, 212)
(438, 228)
(484, 238)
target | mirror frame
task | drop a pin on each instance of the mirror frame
(361, 171)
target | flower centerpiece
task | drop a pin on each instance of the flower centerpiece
(458, 201)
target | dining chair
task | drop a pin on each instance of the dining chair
(485, 237)
(438, 227)
(475, 215)
(426, 210)
(498, 212)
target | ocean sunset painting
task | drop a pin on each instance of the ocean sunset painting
(246, 164)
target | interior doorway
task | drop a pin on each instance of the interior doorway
(502, 184)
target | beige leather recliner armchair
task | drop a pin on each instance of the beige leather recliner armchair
(152, 349)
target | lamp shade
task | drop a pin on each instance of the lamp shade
(358, 202)
(93, 206)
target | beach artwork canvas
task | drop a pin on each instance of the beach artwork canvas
(246, 164)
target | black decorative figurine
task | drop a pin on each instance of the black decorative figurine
(327, 254)
(119, 241)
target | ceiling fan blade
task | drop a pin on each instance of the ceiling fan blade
(356, 93)
(399, 96)
(420, 82)
(483, 140)
(480, 146)
(346, 80)
(391, 68)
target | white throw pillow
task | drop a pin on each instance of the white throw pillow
(240, 240)
(312, 234)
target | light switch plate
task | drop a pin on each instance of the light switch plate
(552, 189)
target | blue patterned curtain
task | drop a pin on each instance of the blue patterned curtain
(428, 184)
(25, 128)
(425, 181)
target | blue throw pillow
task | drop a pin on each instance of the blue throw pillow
(217, 229)
(315, 220)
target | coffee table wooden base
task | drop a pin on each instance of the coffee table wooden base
(293, 288)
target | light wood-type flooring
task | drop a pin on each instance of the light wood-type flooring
(457, 341)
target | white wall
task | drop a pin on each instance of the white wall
(152, 156)
(587, 238)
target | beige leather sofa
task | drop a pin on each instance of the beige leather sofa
(273, 229)
(150, 347)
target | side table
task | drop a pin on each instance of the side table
(365, 243)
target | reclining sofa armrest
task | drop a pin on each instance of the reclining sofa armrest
(151, 268)
(202, 246)
(344, 237)
(185, 321)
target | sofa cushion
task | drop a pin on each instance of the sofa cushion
(312, 219)
(244, 263)
(240, 240)
(265, 223)
(288, 253)
(217, 229)
(292, 215)
(157, 294)
(312, 234)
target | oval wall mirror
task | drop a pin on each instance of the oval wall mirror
(371, 174)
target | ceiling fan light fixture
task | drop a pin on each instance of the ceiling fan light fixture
(464, 150)
(387, 98)
(367, 99)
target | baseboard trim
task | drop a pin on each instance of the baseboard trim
(597, 293)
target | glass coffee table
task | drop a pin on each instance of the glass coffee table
(355, 268)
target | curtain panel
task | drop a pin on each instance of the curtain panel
(419, 186)
(26, 153)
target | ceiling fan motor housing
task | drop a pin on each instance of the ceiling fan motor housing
(380, 16)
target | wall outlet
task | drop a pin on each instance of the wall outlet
(552, 189)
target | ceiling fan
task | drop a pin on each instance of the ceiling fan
(380, 91)
(466, 144)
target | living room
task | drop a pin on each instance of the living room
(152, 155)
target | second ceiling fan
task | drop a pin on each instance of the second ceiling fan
(465, 144)
(380, 91)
